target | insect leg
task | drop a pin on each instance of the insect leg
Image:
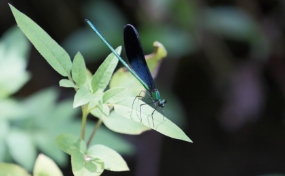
(137, 97)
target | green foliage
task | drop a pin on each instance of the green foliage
(99, 157)
(124, 125)
(87, 166)
(113, 95)
(18, 138)
(82, 97)
(144, 115)
(67, 83)
(33, 124)
(13, 51)
(44, 166)
(102, 77)
(112, 107)
(79, 70)
(112, 160)
(67, 143)
(12, 169)
(54, 54)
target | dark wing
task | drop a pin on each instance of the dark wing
(135, 55)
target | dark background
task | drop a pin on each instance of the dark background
(225, 65)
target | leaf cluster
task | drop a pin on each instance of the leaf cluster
(113, 107)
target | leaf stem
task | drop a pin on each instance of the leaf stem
(84, 119)
(94, 131)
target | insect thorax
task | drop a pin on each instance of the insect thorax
(155, 94)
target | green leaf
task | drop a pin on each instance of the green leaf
(104, 73)
(68, 142)
(124, 125)
(54, 54)
(157, 122)
(96, 112)
(12, 169)
(104, 109)
(154, 59)
(123, 78)
(88, 80)
(114, 94)
(85, 166)
(82, 97)
(67, 83)
(112, 160)
(95, 101)
(19, 141)
(44, 166)
(79, 70)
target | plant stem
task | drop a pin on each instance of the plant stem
(94, 131)
(84, 119)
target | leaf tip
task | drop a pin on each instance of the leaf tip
(119, 49)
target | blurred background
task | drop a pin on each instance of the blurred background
(224, 76)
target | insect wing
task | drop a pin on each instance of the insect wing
(135, 55)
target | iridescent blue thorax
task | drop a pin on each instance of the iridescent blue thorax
(154, 93)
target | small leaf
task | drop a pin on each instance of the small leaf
(54, 54)
(45, 166)
(114, 94)
(85, 166)
(12, 169)
(104, 73)
(82, 97)
(68, 142)
(67, 83)
(112, 160)
(144, 116)
(79, 70)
